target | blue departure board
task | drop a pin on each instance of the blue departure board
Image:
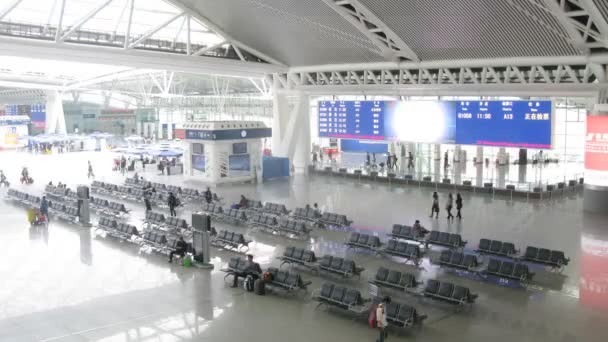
(352, 119)
(525, 124)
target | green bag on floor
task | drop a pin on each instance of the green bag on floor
(187, 261)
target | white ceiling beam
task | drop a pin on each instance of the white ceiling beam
(238, 52)
(181, 28)
(84, 19)
(392, 47)
(106, 78)
(9, 8)
(142, 59)
(458, 63)
(129, 23)
(29, 85)
(209, 24)
(208, 48)
(154, 30)
(60, 21)
(598, 19)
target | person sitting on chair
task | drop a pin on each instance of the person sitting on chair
(180, 249)
(419, 229)
(243, 202)
(252, 268)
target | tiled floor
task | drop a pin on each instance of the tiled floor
(66, 284)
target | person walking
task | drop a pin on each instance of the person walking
(448, 206)
(389, 161)
(435, 206)
(458, 205)
(410, 160)
(395, 161)
(445, 160)
(381, 322)
(172, 203)
(147, 203)
(123, 165)
(90, 174)
(44, 208)
(367, 159)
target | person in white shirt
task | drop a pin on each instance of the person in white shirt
(381, 322)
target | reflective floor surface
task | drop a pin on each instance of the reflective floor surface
(66, 284)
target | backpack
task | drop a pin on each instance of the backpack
(248, 283)
(371, 318)
(267, 277)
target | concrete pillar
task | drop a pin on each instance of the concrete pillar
(303, 142)
(291, 129)
(437, 151)
(479, 154)
(55, 117)
(595, 198)
(502, 156)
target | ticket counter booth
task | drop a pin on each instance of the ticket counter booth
(223, 151)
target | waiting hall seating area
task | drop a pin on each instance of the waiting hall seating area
(116, 229)
(345, 268)
(342, 297)
(23, 198)
(406, 233)
(394, 279)
(508, 270)
(543, 256)
(506, 249)
(403, 315)
(364, 241)
(298, 256)
(445, 239)
(308, 214)
(288, 281)
(448, 292)
(231, 240)
(410, 252)
(459, 260)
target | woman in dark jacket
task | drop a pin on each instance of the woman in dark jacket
(458, 205)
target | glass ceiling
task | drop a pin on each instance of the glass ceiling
(114, 18)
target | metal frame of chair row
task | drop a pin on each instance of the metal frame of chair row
(455, 259)
(396, 280)
(496, 247)
(299, 256)
(333, 295)
(552, 258)
(449, 293)
(410, 252)
(287, 281)
(364, 241)
(508, 270)
(232, 241)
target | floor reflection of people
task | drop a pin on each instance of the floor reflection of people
(39, 232)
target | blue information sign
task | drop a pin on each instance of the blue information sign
(525, 124)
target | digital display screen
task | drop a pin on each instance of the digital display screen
(526, 124)
(421, 121)
(198, 162)
(352, 119)
(198, 148)
(239, 165)
(239, 148)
